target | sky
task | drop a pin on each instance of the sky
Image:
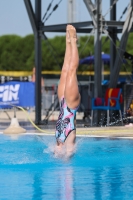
(14, 18)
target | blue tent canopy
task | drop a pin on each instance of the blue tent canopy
(90, 59)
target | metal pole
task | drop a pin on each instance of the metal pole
(119, 59)
(113, 36)
(38, 58)
(97, 55)
(71, 11)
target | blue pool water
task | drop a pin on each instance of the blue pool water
(101, 169)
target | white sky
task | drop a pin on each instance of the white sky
(14, 18)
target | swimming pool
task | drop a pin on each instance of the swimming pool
(100, 169)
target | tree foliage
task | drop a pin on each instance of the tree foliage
(17, 53)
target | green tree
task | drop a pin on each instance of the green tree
(18, 53)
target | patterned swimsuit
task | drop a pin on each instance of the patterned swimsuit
(65, 124)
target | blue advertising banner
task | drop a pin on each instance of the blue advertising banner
(17, 93)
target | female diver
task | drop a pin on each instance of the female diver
(69, 97)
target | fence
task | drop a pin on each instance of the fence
(22, 94)
(49, 100)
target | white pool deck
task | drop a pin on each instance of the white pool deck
(111, 131)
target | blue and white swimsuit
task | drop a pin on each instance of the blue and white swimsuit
(65, 124)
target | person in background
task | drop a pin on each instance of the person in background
(33, 78)
(69, 97)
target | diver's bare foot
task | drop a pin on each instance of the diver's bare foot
(68, 34)
(72, 33)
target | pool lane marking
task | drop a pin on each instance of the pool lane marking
(86, 132)
(104, 133)
(106, 136)
(86, 135)
(78, 135)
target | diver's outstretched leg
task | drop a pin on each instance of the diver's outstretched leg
(71, 92)
(66, 64)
